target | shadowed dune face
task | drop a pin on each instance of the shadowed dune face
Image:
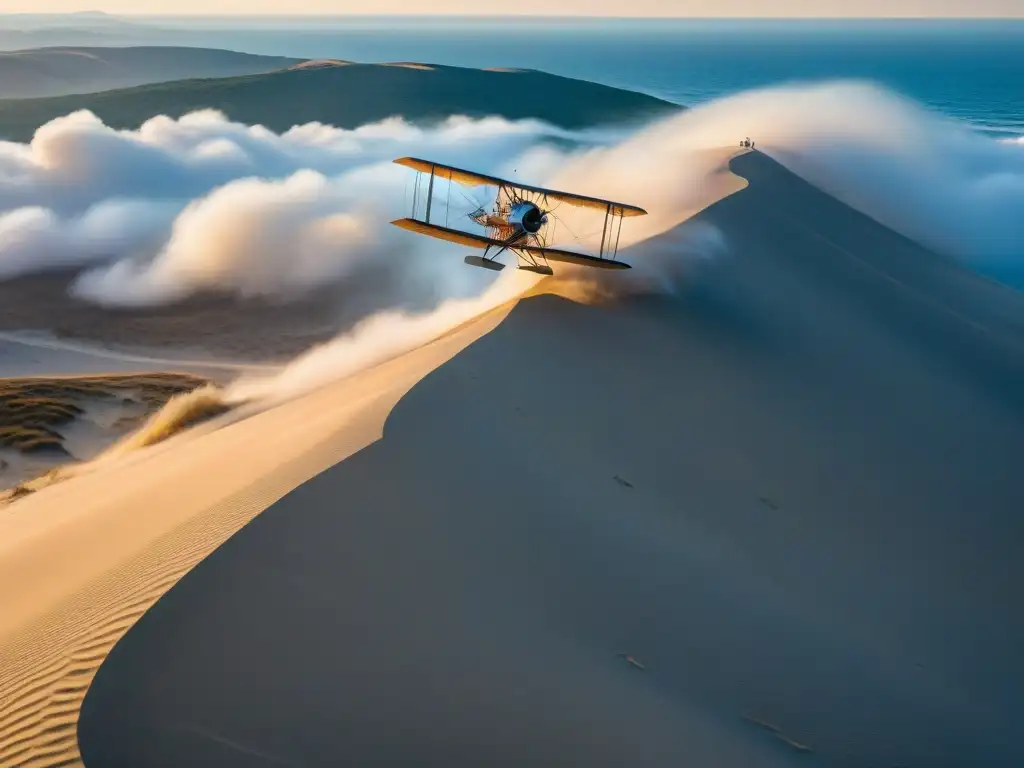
(790, 493)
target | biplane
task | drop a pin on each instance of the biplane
(520, 221)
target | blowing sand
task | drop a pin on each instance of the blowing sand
(769, 521)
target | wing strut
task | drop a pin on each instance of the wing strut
(618, 234)
(604, 230)
(416, 194)
(430, 193)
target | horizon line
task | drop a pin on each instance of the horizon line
(487, 15)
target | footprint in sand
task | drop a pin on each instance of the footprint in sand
(631, 661)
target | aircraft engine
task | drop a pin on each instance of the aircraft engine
(527, 217)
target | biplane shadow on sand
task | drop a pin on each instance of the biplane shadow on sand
(518, 222)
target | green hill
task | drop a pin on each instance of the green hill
(60, 71)
(348, 95)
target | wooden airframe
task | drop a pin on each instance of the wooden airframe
(517, 220)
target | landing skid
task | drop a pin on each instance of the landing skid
(477, 261)
(540, 269)
(497, 266)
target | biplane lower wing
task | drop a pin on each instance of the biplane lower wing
(446, 233)
(479, 241)
(571, 257)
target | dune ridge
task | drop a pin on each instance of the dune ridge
(851, 272)
(52, 641)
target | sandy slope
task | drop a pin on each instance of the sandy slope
(79, 562)
(82, 561)
(792, 494)
(789, 494)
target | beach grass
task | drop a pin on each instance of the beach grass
(33, 410)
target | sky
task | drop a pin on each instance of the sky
(680, 8)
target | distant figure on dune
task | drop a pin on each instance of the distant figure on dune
(747, 143)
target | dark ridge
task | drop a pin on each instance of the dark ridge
(57, 71)
(349, 96)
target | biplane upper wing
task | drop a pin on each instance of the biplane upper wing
(473, 179)
(479, 241)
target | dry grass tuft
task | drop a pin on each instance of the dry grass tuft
(32, 409)
(35, 413)
(31, 438)
(178, 414)
(158, 406)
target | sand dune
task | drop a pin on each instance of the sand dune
(791, 495)
(770, 520)
(81, 561)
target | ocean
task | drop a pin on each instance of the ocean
(969, 70)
